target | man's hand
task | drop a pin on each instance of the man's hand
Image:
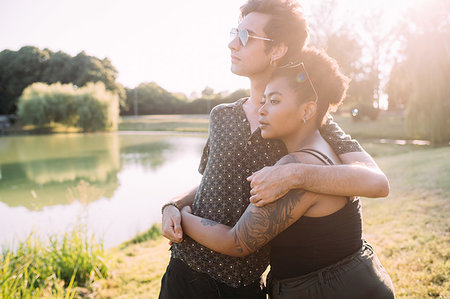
(171, 224)
(269, 184)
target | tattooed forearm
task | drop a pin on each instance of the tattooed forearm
(207, 222)
(258, 226)
(237, 243)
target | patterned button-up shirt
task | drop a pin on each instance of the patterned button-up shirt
(233, 153)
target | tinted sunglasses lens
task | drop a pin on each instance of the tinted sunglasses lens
(243, 36)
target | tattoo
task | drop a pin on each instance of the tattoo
(208, 222)
(258, 226)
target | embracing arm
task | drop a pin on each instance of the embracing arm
(361, 178)
(358, 176)
(255, 228)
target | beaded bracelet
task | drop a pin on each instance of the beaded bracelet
(169, 204)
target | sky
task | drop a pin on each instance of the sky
(181, 45)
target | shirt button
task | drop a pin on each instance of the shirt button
(249, 143)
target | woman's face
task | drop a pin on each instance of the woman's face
(281, 114)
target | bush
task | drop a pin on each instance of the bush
(90, 108)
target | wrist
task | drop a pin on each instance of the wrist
(296, 176)
(174, 204)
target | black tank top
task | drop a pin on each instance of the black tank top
(313, 243)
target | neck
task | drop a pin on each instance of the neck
(258, 84)
(303, 138)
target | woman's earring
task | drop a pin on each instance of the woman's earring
(272, 62)
(304, 121)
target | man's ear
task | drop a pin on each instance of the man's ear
(278, 52)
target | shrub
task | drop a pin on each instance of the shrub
(90, 108)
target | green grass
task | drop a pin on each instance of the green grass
(377, 149)
(178, 123)
(63, 267)
(389, 125)
(410, 230)
(151, 234)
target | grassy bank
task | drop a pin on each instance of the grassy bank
(62, 267)
(178, 123)
(389, 125)
(409, 231)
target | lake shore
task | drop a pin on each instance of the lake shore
(389, 125)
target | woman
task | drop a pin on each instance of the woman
(317, 249)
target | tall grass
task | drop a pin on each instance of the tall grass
(151, 234)
(58, 268)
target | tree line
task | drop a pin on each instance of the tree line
(19, 69)
(150, 98)
(416, 83)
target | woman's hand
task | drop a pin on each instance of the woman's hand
(269, 184)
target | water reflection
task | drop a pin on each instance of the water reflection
(117, 182)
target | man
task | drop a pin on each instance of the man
(271, 34)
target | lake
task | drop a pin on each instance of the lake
(115, 183)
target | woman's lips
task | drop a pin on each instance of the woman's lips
(263, 124)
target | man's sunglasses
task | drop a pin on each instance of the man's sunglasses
(244, 36)
(302, 76)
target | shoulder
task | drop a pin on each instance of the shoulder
(299, 157)
(224, 107)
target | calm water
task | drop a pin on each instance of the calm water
(113, 182)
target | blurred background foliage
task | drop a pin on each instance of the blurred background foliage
(404, 68)
(90, 108)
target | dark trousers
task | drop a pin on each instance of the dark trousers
(180, 281)
(358, 276)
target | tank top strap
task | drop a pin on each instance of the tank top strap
(319, 155)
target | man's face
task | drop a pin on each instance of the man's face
(251, 59)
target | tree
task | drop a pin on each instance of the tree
(54, 69)
(19, 69)
(208, 92)
(427, 63)
(398, 88)
(151, 99)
